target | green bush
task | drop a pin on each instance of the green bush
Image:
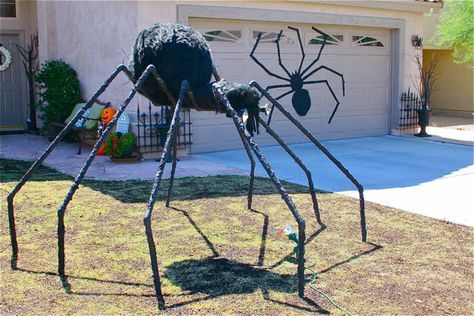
(59, 91)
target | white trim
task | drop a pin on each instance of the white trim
(17, 13)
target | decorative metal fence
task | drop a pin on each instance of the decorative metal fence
(410, 102)
(152, 128)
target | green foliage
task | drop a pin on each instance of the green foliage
(118, 143)
(59, 90)
(456, 29)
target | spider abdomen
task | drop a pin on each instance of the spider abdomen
(301, 101)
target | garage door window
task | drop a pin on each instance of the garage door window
(270, 37)
(366, 41)
(226, 36)
(331, 40)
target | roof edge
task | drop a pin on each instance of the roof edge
(421, 6)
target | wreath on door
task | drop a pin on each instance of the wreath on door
(8, 58)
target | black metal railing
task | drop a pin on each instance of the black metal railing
(152, 127)
(410, 103)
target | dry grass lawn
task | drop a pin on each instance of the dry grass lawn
(217, 257)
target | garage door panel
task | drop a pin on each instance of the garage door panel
(378, 97)
(361, 54)
(379, 69)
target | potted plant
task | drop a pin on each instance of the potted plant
(427, 79)
(121, 147)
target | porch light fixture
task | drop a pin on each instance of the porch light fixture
(417, 41)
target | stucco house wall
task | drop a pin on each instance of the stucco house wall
(453, 93)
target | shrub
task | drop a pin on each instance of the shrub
(59, 91)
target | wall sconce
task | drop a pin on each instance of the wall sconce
(417, 41)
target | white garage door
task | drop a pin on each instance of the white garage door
(362, 55)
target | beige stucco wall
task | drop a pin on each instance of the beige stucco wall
(92, 36)
(454, 89)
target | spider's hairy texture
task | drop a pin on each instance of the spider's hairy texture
(178, 52)
(242, 97)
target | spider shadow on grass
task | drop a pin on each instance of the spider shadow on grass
(217, 277)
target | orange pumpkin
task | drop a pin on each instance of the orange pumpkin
(107, 115)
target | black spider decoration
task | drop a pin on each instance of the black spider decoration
(301, 99)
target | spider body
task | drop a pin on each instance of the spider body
(180, 53)
(301, 99)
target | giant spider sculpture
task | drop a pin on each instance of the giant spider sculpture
(300, 100)
(171, 65)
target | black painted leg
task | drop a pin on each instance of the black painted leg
(44, 155)
(298, 161)
(154, 193)
(252, 170)
(323, 149)
(284, 194)
(62, 209)
(173, 168)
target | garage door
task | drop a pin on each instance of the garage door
(361, 54)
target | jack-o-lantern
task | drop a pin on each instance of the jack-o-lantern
(107, 115)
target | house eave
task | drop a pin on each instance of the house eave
(400, 5)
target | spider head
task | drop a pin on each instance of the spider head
(296, 81)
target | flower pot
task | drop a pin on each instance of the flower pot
(128, 153)
(423, 121)
(132, 158)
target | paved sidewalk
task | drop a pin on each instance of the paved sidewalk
(452, 130)
(65, 159)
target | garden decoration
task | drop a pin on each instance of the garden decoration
(107, 115)
(6, 58)
(171, 65)
(300, 100)
(120, 146)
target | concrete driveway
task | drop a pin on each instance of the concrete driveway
(417, 175)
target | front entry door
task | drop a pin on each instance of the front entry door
(12, 109)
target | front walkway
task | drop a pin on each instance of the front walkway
(65, 159)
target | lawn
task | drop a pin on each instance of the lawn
(217, 257)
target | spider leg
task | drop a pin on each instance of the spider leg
(44, 155)
(301, 46)
(278, 86)
(277, 42)
(330, 70)
(298, 161)
(154, 192)
(252, 169)
(62, 209)
(277, 98)
(284, 194)
(173, 167)
(333, 95)
(323, 149)
(259, 36)
(325, 36)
